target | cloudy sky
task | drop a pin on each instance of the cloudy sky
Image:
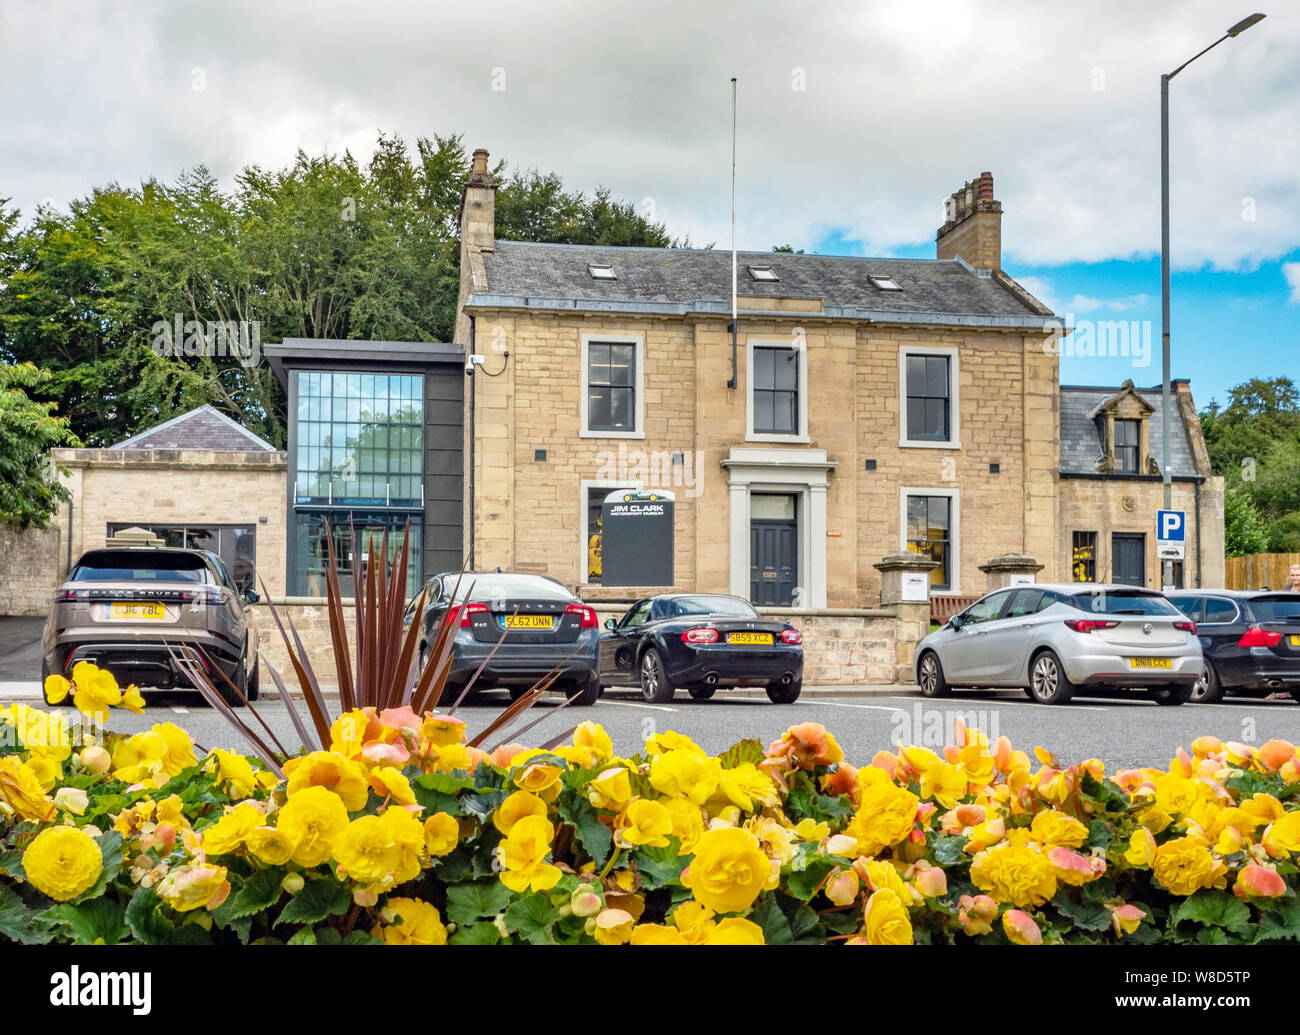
(855, 120)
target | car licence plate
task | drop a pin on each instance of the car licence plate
(1295, 641)
(149, 612)
(527, 622)
(751, 639)
(1151, 662)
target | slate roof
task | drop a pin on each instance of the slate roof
(202, 428)
(656, 279)
(1081, 443)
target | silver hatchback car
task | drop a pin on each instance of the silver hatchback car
(1055, 640)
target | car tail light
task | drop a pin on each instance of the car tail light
(1186, 627)
(68, 596)
(211, 597)
(1257, 637)
(1087, 625)
(791, 636)
(466, 610)
(588, 615)
(700, 635)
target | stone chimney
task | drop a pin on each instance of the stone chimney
(478, 206)
(972, 227)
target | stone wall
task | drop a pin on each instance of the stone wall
(30, 562)
(841, 646)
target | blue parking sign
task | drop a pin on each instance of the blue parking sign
(1171, 526)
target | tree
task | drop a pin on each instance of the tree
(29, 490)
(1243, 531)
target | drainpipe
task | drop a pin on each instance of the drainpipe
(1198, 533)
(472, 393)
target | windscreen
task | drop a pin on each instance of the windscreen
(1124, 602)
(508, 587)
(139, 566)
(1276, 609)
(712, 605)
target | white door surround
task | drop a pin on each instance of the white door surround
(803, 473)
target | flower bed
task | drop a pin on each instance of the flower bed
(401, 833)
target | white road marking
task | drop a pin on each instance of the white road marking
(869, 707)
(629, 704)
(179, 710)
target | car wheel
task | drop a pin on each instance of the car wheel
(784, 693)
(255, 681)
(702, 693)
(1048, 681)
(451, 691)
(590, 692)
(1029, 692)
(228, 692)
(1295, 694)
(930, 676)
(1207, 689)
(516, 692)
(655, 684)
(1177, 694)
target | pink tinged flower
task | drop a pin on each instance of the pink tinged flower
(932, 882)
(1255, 881)
(1002, 753)
(1020, 928)
(917, 837)
(842, 888)
(1274, 754)
(1125, 919)
(951, 752)
(924, 811)
(381, 753)
(1185, 762)
(841, 844)
(1075, 867)
(887, 761)
(403, 720)
(975, 912)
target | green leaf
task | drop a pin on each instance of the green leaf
(476, 934)
(786, 921)
(318, 899)
(1215, 909)
(531, 919)
(741, 752)
(1212, 936)
(1099, 834)
(802, 883)
(260, 892)
(660, 866)
(593, 835)
(328, 936)
(144, 917)
(1086, 916)
(950, 850)
(468, 902)
(16, 921)
(110, 846)
(362, 938)
(1282, 924)
(481, 803)
(303, 936)
(98, 920)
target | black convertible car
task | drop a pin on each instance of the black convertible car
(700, 642)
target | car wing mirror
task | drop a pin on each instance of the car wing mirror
(956, 621)
(611, 624)
(252, 596)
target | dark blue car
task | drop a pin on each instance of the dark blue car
(700, 642)
(1251, 641)
(540, 626)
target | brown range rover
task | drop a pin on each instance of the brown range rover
(124, 607)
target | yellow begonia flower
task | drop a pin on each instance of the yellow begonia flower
(388, 782)
(1141, 848)
(194, 885)
(688, 823)
(348, 733)
(886, 813)
(886, 920)
(94, 690)
(591, 739)
(1017, 874)
(1283, 835)
(63, 862)
(1185, 866)
(1056, 828)
(441, 834)
(270, 845)
(729, 870)
(611, 790)
(746, 784)
(811, 830)
(46, 734)
(1177, 794)
(311, 819)
(680, 773)
(694, 924)
(227, 834)
(234, 772)
(332, 772)
(671, 741)
(47, 770)
(21, 790)
(366, 851)
(945, 783)
(410, 921)
(133, 700)
(516, 807)
(522, 855)
(645, 823)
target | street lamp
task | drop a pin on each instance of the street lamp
(1166, 468)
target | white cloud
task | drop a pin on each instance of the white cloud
(1291, 270)
(904, 101)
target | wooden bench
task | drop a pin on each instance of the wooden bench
(944, 607)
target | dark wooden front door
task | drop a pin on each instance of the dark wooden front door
(773, 562)
(1128, 559)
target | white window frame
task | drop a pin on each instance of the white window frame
(585, 486)
(954, 399)
(954, 517)
(801, 436)
(639, 387)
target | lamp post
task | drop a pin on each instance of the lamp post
(1166, 470)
